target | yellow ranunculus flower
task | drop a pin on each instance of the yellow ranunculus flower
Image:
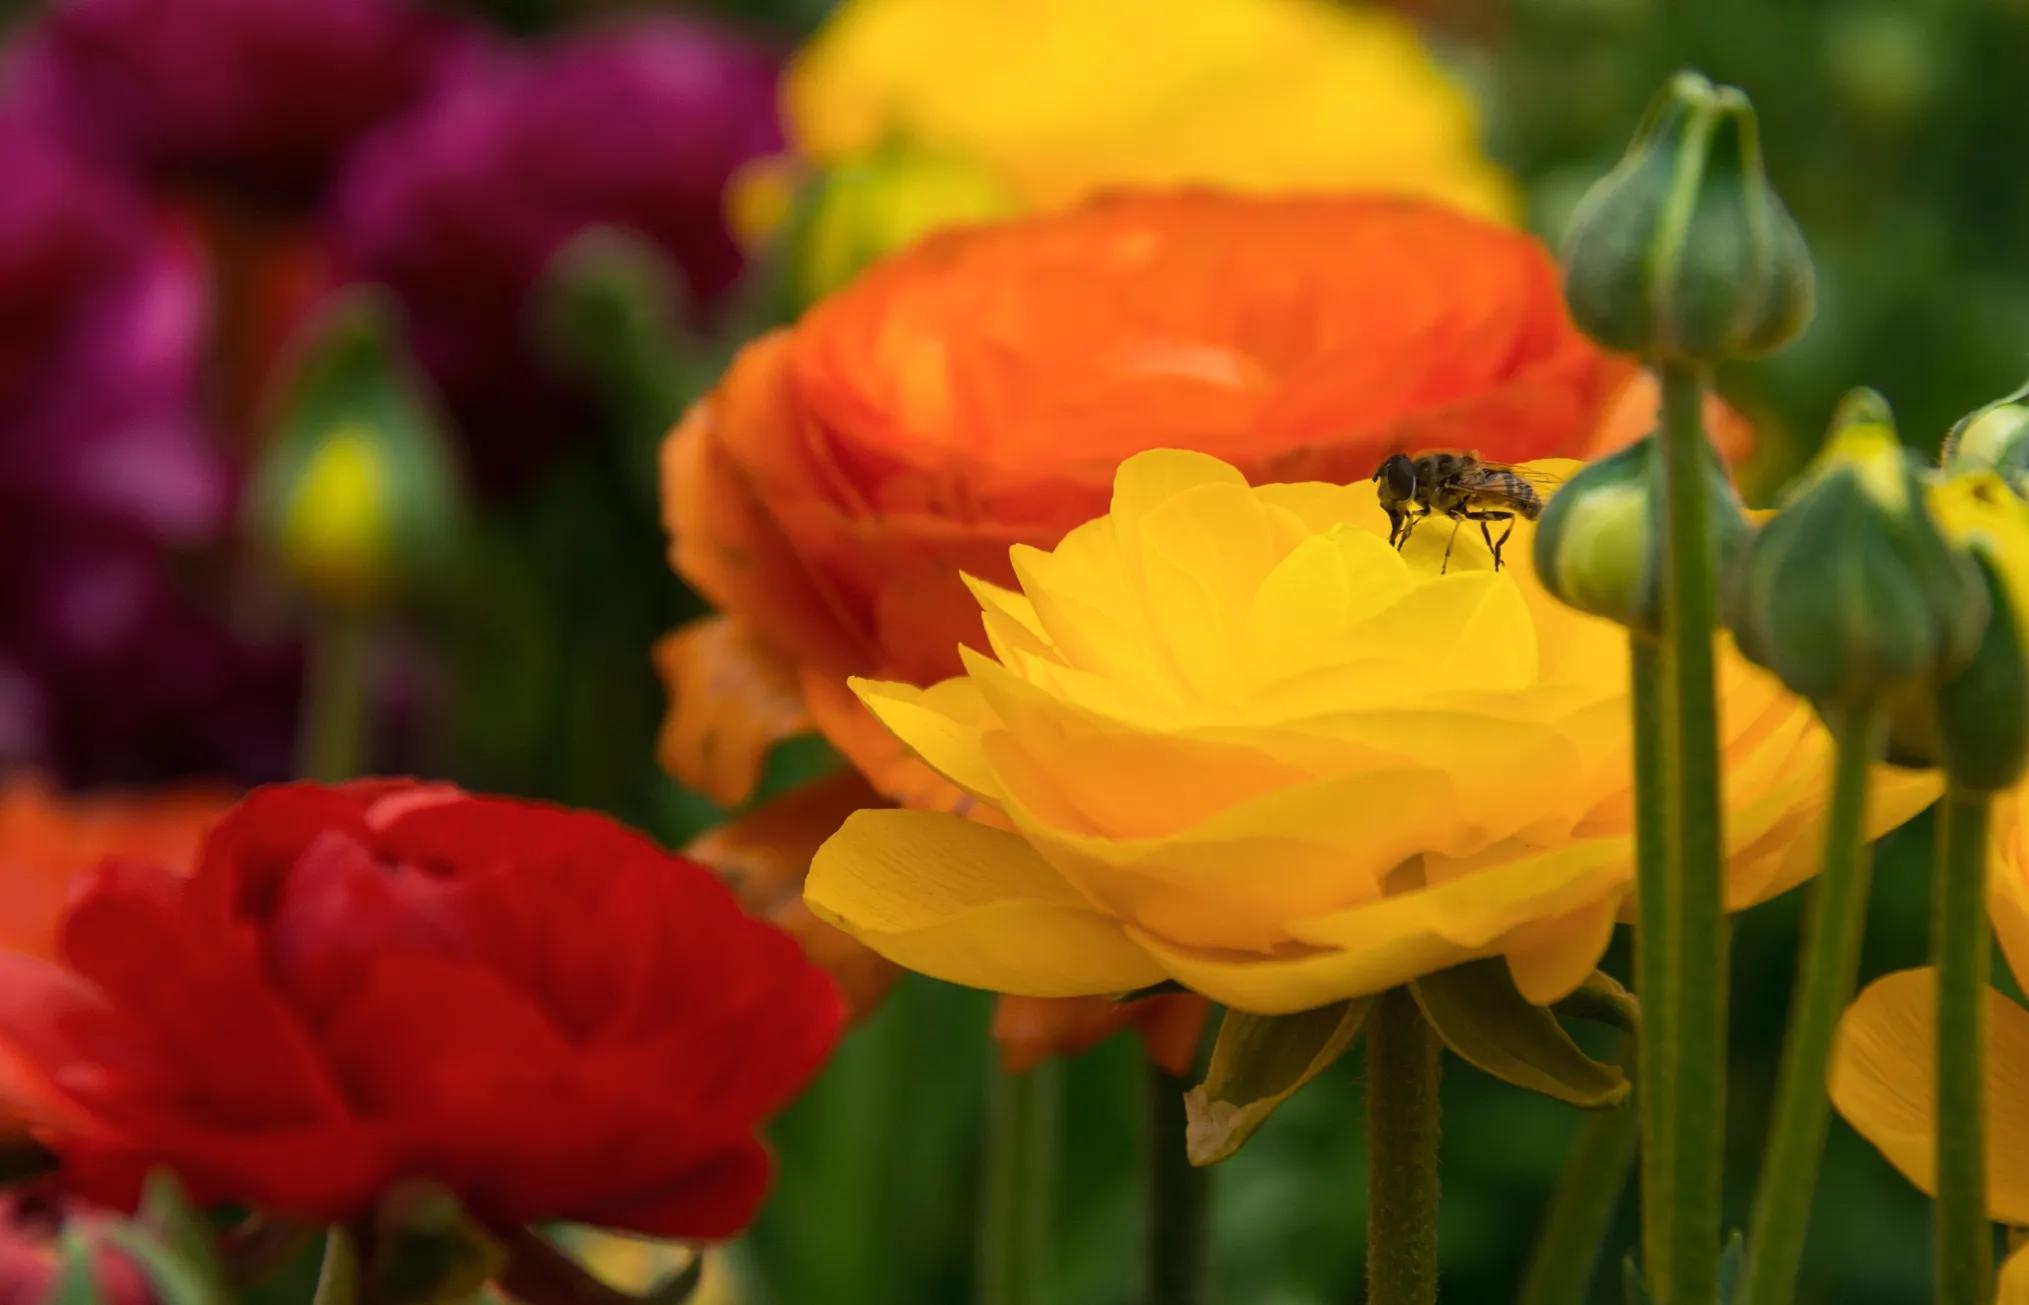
(1234, 739)
(1067, 97)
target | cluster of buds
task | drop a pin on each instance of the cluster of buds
(1877, 582)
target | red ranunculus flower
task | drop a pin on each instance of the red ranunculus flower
(534, 1007)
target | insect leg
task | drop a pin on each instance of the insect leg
(1457, 521)
(1486, 532)
(1502, 540)
(1409, 525)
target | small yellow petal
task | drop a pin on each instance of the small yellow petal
(1148, 480)
(1882, 1081)
(940, 724)
(1559, 954)
(956, 900)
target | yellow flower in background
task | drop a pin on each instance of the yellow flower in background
(1230, 737)
(1883, 1077)
(1055, 100)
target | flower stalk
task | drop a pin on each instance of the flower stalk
(332, 743)
(1581, 1208)
(1830, 969)
(1697, 1089)
(1655, 955)
(1021, 1178)
(1178, 1198)
(1402, 1131)
(1960, 950)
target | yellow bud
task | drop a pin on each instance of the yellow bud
(334, 529)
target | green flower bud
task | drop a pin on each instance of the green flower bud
(1683, 251)
(357, 495)
(1599, 543)
(859, 211)
(1850, 593)
(1975, 721)
(1994, 438)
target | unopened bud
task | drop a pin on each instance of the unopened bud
(1994, 438)
(1599, 545)
(356, 495)
(863, 210)
(1850, 592)
(1975, 721)
(1683, 251)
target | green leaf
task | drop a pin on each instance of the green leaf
(680, 1286)
(1631, 1285)
(1732, 1262)
(1258, 1062)
(75, 1284)
(174, 1280)
(1602, 1000)
(181, 1228)
(1477, 1011)
(338, 1275)
(427, 1250)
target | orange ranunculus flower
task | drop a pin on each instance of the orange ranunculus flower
(979, 390)
(48, 840)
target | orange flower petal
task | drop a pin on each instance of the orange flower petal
(730, 700)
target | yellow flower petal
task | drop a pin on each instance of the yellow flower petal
(959, 901)
(1883, 1082)
(1329, 845)
(2014, 1289)
(1568, 951)
(2008, 896)
(1496, 894)
(941, 724)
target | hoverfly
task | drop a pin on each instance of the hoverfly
(1462, 486)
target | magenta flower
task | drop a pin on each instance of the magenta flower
(264, 94)
(460, 205)
(114, 491)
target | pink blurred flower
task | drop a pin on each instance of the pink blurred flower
(460, 205)
(264, 94)
(112, 487)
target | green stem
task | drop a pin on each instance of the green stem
(332, 743)
(1655, 956)
(1178, 1198)
(1581, 1209)
(1959, 949)
(1697, 1095)
(1402, 1114)
(338, 1273)
(1829, 970)
(1021, 1170)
